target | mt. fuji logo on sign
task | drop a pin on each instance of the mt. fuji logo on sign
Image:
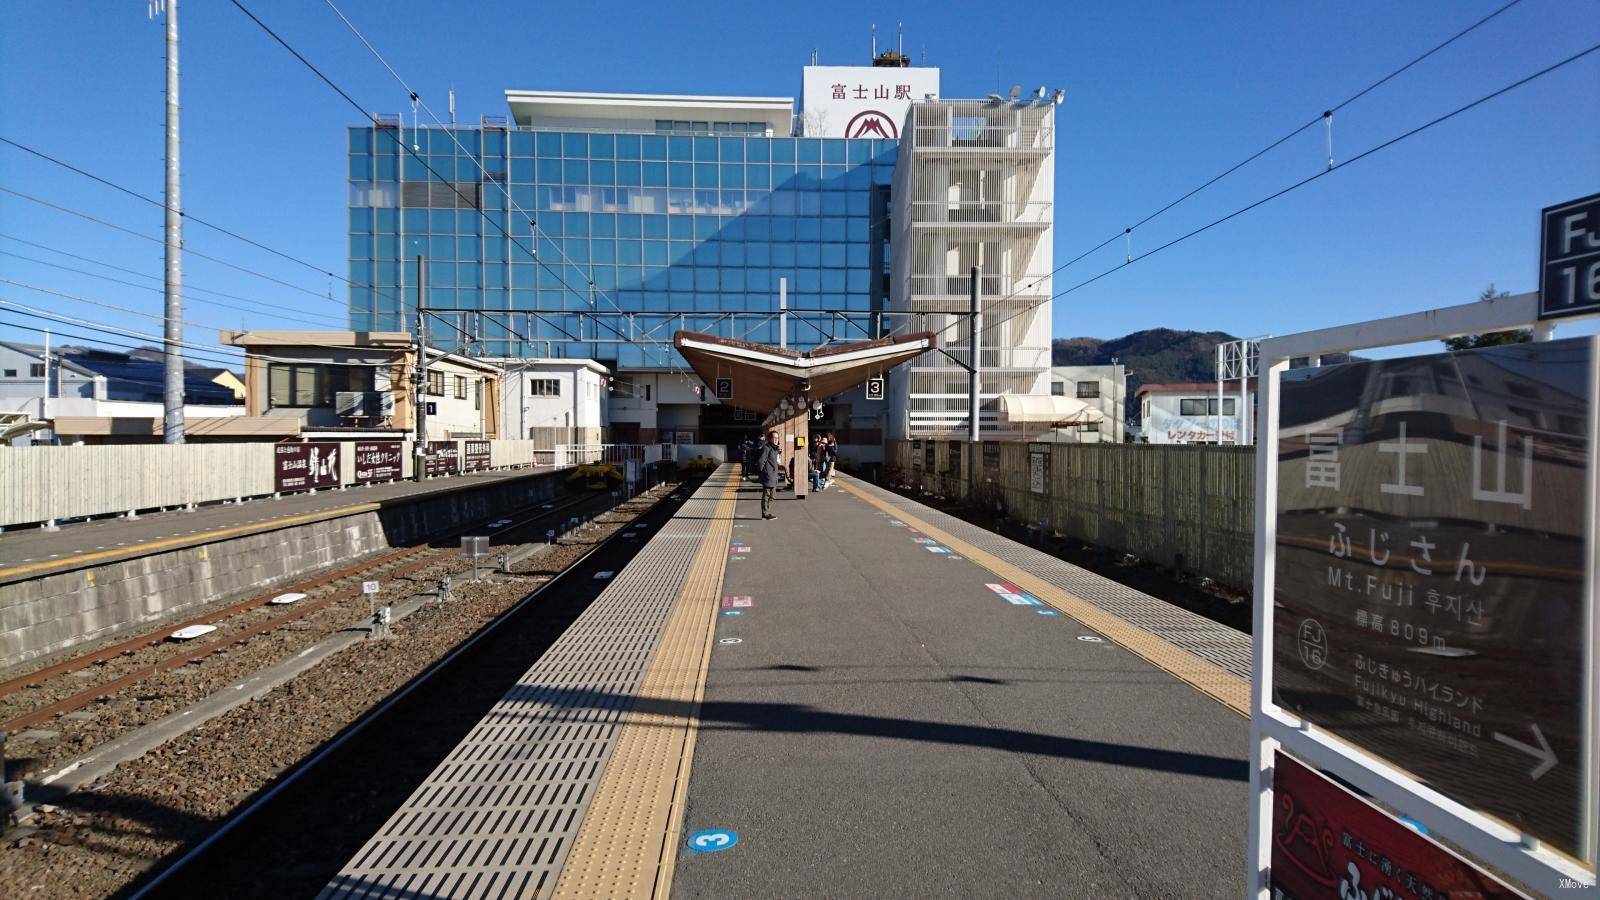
(871, 123)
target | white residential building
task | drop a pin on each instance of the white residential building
(1188, 413)
(973, 186)
(1103, 389)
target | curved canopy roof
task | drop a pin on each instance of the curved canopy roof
(758, 377)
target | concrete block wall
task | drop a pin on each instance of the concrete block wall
(59, 612)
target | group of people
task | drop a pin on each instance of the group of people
(764, 460)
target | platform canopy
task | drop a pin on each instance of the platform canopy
(761, 378)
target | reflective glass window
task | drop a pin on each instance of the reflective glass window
(575, 171)
(629, 226)
(705, 175)
(574, 146)
(361, 220)
(602, 171)
(627, 146)
(680, 175)
(627, 173)
(655, 174)
(521, 143)
(808, 150)
(833, 151)
(602, 146)
(549, 144)
(680, 228)
(680, 148)
(783, 150)
(653, 146)
(705, 149)
(360, 140)
(522, 170)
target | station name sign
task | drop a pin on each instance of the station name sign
(1430, 571)
(1569, 258)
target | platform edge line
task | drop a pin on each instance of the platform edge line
(1220, 685)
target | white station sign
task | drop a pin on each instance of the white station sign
(862, 101)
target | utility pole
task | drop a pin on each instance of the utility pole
(783, 312)
(172, 393)
(419, 393)
(974, 428)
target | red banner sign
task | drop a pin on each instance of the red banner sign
(1327, 842)
(302, 467)
(378, 461)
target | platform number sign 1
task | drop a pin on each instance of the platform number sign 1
(875, 387)
(1569, 258)
(724, 388)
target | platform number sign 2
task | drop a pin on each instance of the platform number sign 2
(1569, 258)
(724, 388)
(875, 387)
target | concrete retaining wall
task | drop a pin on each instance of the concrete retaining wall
(59, 612)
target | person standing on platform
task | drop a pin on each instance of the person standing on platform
(769, 466)
(828, 459)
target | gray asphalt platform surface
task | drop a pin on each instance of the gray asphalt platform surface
(35, 545)
(888, 726)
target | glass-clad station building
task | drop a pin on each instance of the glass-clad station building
(555, 220)
(591, 225)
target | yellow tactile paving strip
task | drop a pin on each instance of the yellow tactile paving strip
(1217, 683)
(628, 843)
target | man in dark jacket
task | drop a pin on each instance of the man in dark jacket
(769, 467)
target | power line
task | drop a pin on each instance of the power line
(1268, 148)
(510, 202)
(187, 287)
(99, 342)
(139, 234)
(35, 312)
(188, 216)
(104, 305)
(144, 287)
(450, 182)
(1303, 182)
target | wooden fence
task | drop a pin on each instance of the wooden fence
(1187, 507)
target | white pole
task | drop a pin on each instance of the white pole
(172, 393)
(783, 316)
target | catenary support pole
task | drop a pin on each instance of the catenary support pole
(419, 390)
(974, 426)
(783, 315)
(172, 387)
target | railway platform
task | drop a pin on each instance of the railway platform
(35, 552)
(861, 697)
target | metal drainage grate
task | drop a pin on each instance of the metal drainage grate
(497, 817)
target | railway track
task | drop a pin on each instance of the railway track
(365, 718)
(393, 565)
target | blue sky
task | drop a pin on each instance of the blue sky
(1161, 96)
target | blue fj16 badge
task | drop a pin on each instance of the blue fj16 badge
(712, 840)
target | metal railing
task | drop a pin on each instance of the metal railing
(982, 212)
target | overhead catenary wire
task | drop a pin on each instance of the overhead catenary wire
(1320, 117)
(111, 306)
(1301, 183)
(421, 160)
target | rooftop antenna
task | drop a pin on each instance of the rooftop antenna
(874, 41)
(452, 105)
(900, 43)
(813, 56)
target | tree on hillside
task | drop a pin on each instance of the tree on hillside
(1490, 338)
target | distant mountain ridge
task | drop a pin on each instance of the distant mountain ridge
(1153, 356)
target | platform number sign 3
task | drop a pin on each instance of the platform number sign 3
(724, 388)
(875, 387)
(1569, 258)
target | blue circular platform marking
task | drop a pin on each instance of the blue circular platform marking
(733, 612)
(1046, 612)
(712, 840)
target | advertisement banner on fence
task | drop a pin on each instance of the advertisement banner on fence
(378, 461)
(477, 456)
(303, 467)
(443, 458)
(1327, 842)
